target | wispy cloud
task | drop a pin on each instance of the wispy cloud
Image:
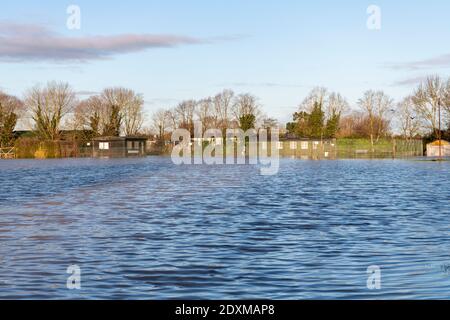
(262, 84)
(87, 93)
(28, 42)
(409, 81)
(442, 61)
(158, 101)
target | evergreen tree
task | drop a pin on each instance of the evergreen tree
(112, 128)
(332, 126)
(316, 121)
(8, 118)
(7, 129)
(247, 122)
(300, 125)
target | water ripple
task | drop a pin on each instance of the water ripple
(146, 229)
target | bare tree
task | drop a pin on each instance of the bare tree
(427, 99)
(123, 111)
(223, 103)
(318, 95)
(11, 109)
(185, 112)
(172, 118)
(89, 115)
(447, 100)
(247, 111)
(348, 125)
(245, 104)
(206, 115)
(133, 115)
(48, 106)
(375, 105)
(408, 119)
(337, 105)
(161, 120)
(384, 104)
(367, 104)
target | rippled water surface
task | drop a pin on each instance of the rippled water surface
(146, 229)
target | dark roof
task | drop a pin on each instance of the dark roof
(119, 138)
(306, 139)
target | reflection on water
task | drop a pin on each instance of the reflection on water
(146, 229)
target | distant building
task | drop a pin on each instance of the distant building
(307, 148)
(433, 148)
(118, 147)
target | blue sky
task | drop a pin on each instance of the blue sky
(277, 50)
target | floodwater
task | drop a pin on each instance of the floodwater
(147, 229)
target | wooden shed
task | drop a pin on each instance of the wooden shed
(118, 147)
(307, 148)
(433, 149)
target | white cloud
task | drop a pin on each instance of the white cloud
(28, 42)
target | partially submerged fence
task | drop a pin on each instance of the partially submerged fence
(382, 149)
(308, 149)
(33, 148)
(7, 153)
(317, 149)
(302, 149)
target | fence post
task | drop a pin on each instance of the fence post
(394, 148)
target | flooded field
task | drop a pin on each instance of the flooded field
(147, 229)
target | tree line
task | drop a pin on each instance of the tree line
(225, 110)
(322, 114)
(55, 106)
(328, 115)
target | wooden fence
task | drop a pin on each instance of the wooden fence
(8, 153)
(383, 149)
